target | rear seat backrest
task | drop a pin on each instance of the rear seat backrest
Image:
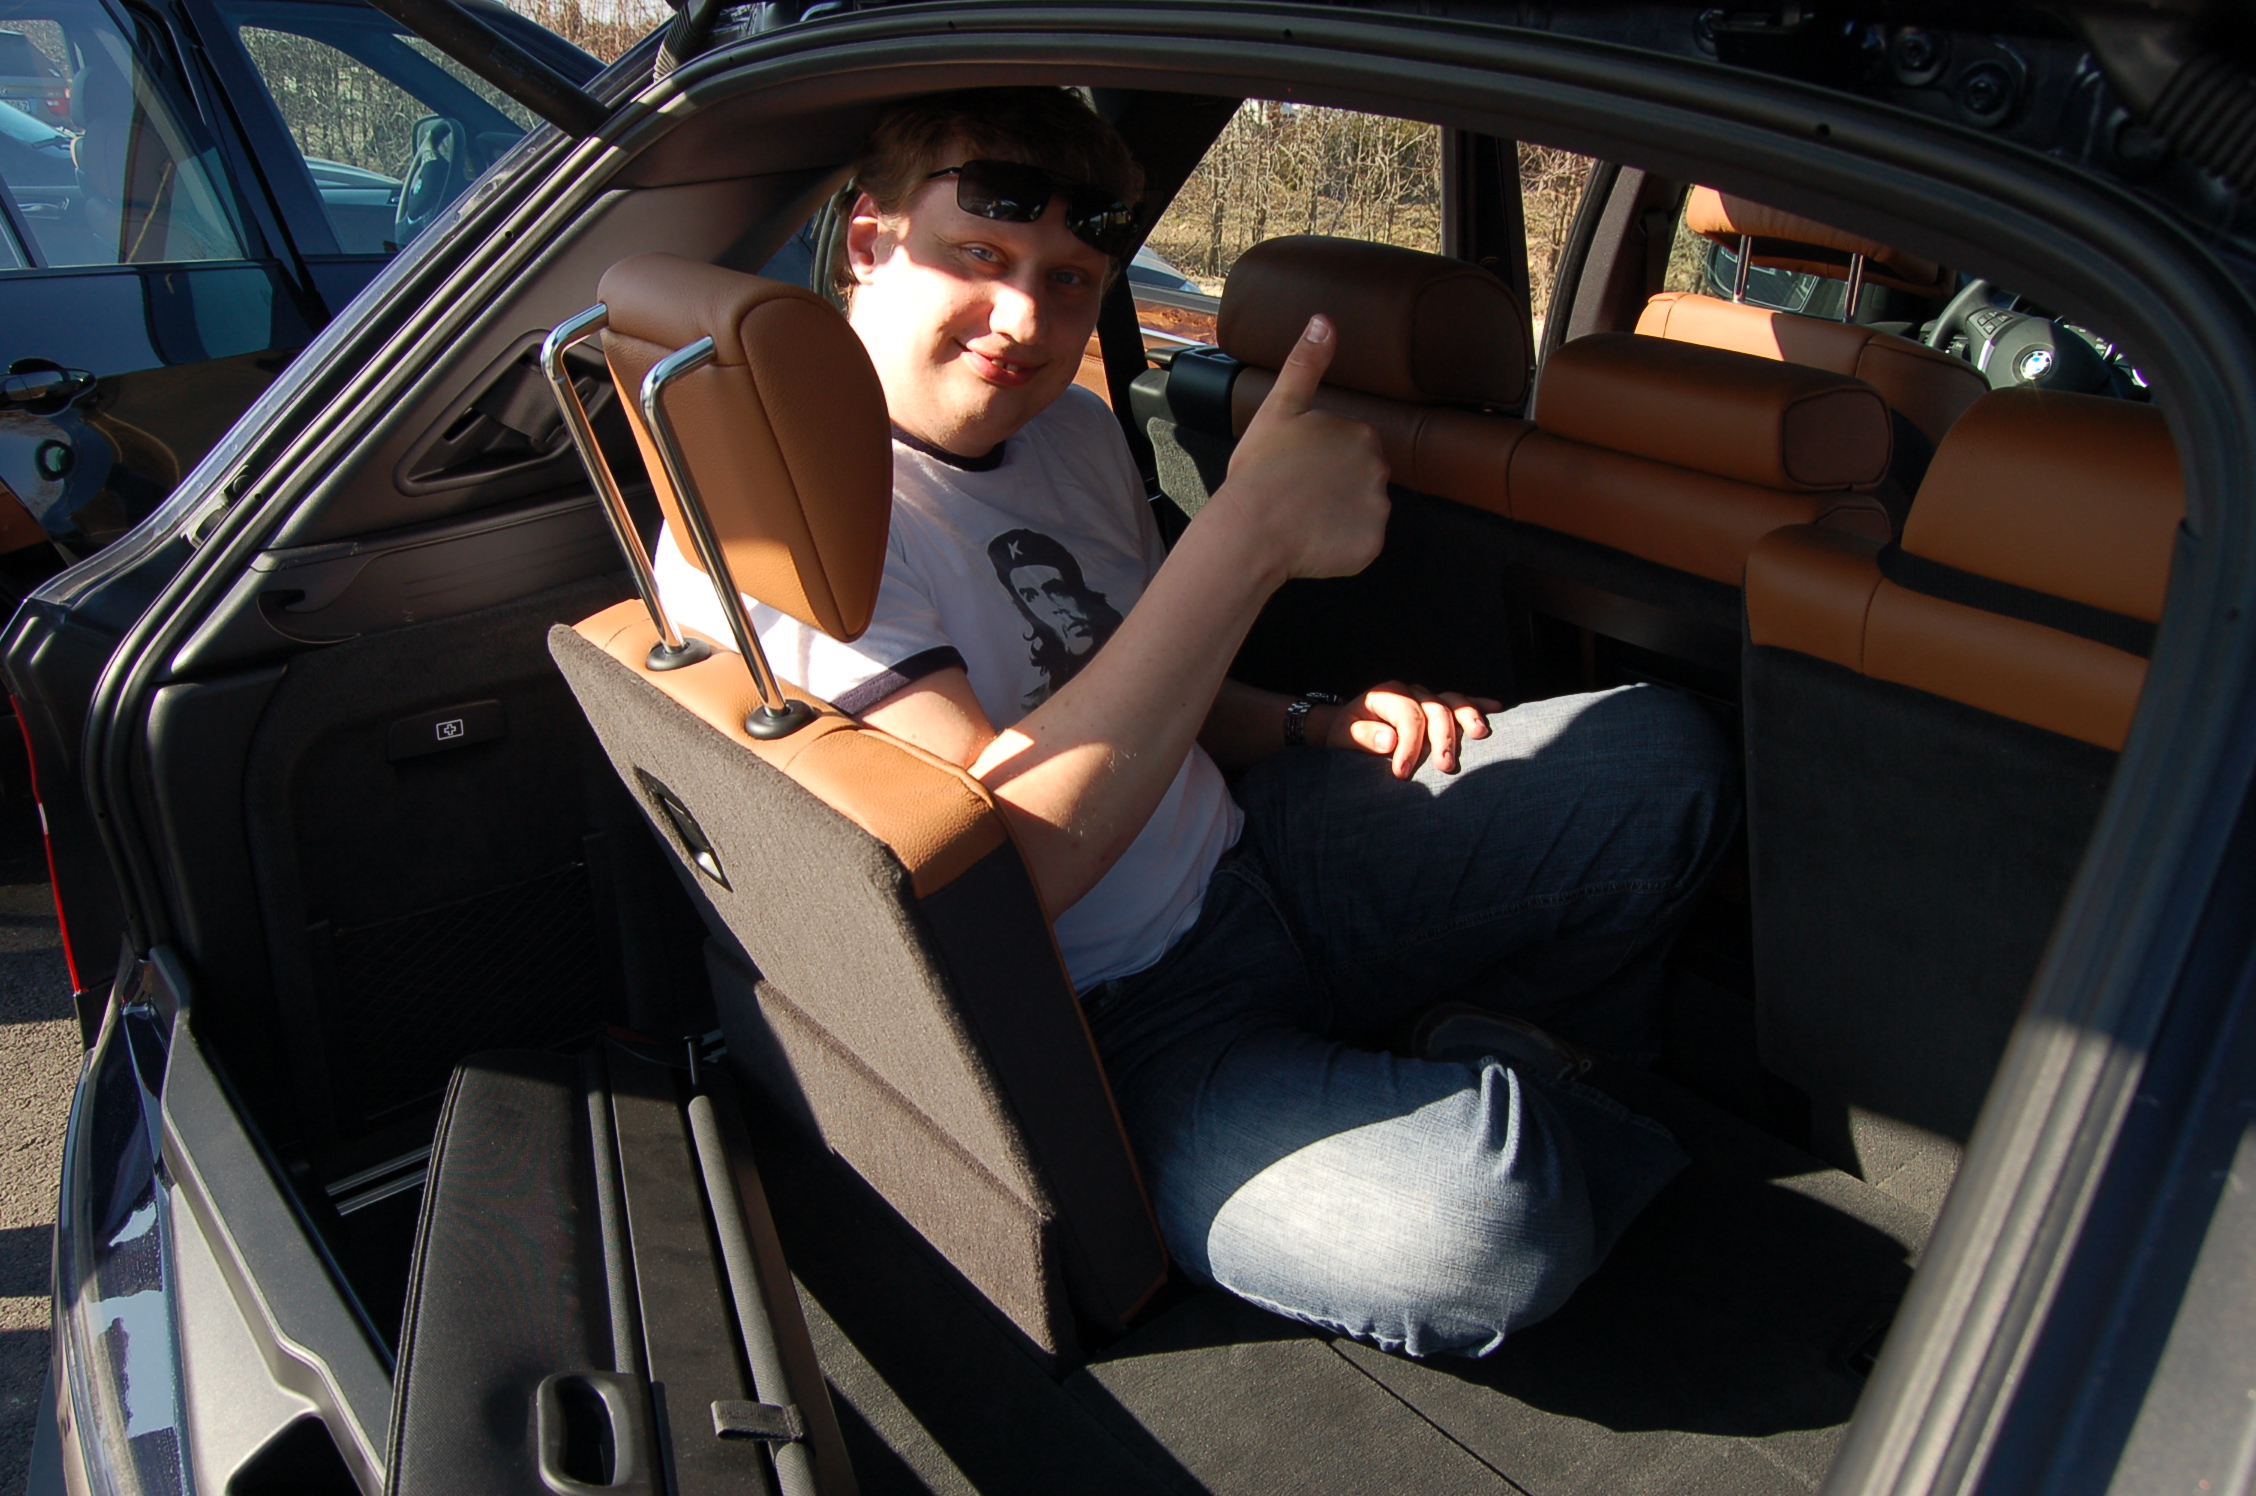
(1929, 388)
(1748, 444)
(1930, 733)
(2045, 526)
(908, 1000)
(1686, 456)
(1678, 456)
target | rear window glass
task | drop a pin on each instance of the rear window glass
(1297, 169)
(390, 130)
(103, 163)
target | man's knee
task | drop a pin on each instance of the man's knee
(1495, 1274)
(1472, 1224)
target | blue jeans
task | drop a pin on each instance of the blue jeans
(1422, 1206)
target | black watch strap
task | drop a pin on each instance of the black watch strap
(1296, 716)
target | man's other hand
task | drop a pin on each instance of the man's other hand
(1311, 484)
(1405, 723)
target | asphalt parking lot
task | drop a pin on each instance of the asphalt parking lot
(38, 1061)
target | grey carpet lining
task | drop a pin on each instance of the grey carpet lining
(1713, 1353)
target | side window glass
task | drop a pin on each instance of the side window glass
(391, 131)
(102, 166)
(1551, 183)
(1283, 169)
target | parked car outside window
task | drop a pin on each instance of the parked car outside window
(162, 256)
(30, 79)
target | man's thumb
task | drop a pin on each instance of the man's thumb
(1304, 368)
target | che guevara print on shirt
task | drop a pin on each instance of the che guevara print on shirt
(1067, 621)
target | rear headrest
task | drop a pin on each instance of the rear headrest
(2075, 496)
(785, 433)
(1786, 241)
(1775, 425)
(1414, 327)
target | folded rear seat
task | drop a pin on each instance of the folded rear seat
(1686, 456)
(883, 968)
(1633, 497)
(1930, 731)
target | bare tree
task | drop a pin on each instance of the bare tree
(1551, 183)
(605, 28)
(1315, 170)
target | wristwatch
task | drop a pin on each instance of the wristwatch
(1296, 715)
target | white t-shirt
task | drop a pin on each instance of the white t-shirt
(1018, 570)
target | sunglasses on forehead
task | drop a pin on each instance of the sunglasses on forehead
(1011, 192)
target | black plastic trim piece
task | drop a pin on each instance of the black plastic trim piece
(313, 1334)
(1198, 388)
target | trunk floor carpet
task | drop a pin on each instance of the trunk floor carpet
(1717, 1351)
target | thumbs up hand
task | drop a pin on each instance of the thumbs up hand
(1313, 484)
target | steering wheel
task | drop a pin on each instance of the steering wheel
(1953, 320)
(437, 172)
(2017, 349)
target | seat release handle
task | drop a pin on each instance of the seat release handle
(734, 1419)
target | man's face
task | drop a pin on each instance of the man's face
(975, 326)
(1051, 600)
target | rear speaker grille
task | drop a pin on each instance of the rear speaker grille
(522, 967)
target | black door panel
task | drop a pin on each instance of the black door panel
(420, 907)
(326, 594)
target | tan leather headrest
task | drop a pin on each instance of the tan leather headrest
(1787, 241)
(784, 434)
(2075, 496)
(1775, 425)
(1414, 327)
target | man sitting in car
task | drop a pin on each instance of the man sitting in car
(1373, 857)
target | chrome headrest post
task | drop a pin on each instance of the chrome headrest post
(1856, 288)
(1746, 262)
(671, 651)
(776, 715)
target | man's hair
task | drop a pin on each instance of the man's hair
(1052, 128)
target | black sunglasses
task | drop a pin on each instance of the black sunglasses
(1011, 192)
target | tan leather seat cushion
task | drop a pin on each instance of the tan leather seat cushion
(1691, 521)
(1774, 425)
(2075, 496)
(1788, 241)
(784, 433)
(1820, 593)
(1927, 387)
(1464, 455)
(1423, 329)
